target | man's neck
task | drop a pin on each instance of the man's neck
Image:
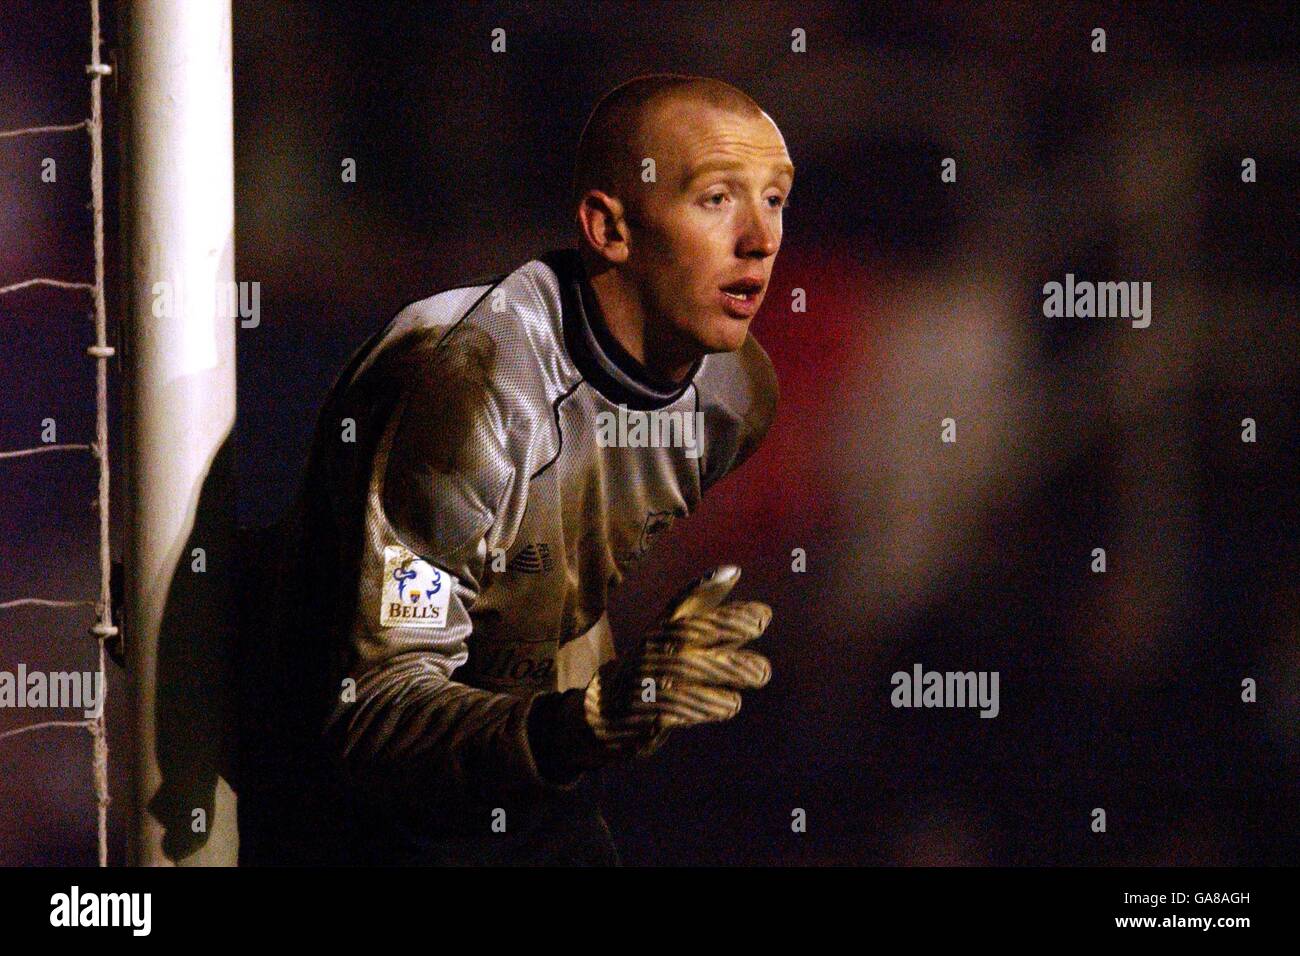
(663, 355)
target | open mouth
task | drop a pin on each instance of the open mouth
(743, 290)
(739, 299)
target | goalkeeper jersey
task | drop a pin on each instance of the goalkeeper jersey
(485, 471)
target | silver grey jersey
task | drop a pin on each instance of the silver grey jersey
(492, 465)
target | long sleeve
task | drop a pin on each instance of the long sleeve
(439, 490)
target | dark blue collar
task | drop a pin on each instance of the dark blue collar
(594, 350)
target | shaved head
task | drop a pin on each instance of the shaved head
(679, 261)
(618, 136)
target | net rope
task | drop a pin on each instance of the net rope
(103, 629)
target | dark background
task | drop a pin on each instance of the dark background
(1119, 690)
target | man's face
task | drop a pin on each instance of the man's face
(705, 235)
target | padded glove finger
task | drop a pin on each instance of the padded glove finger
(720, 666)
(703, 594)
(734, 623)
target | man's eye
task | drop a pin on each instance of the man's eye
(781, 201)
(718, 196)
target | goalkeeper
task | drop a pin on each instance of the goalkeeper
(438, 681)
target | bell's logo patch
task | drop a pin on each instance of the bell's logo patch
(415, 593)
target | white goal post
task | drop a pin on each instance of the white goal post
(179, 363)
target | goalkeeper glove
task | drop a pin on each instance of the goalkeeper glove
(689, 669)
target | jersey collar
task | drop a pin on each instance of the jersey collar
(596, 353)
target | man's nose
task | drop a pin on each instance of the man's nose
(759, 238)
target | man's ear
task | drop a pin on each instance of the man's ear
(604, 226)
